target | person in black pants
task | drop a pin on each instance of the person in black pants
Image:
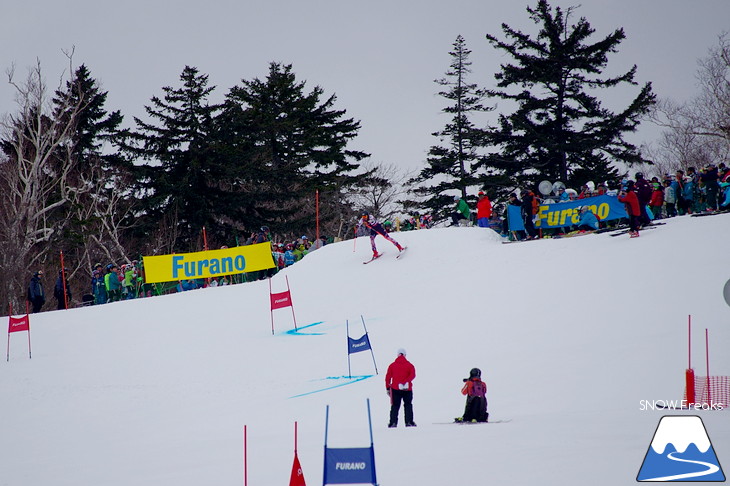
(399, 384)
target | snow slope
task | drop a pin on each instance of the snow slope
(571, 334)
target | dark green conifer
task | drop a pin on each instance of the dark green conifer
(450, 165)
(559, 128)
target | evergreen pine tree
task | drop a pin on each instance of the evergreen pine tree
(450, 165)
(286, 143)
(182, 180)
(101, 174)
(559, 129)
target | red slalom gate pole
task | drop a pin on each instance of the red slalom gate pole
(245, 463)
(689, 374)
(707, 366)
(316, 210)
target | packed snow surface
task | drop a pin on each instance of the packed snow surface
(574, 338)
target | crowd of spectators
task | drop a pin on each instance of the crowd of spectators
(112, 283)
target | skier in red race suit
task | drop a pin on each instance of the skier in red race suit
(369, 221)
(399, 384)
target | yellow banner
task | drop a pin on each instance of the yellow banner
(206, 264)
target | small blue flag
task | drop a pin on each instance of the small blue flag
(357, 345)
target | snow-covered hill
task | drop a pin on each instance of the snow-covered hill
(571, 334)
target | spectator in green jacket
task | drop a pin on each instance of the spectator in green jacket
(462, 211)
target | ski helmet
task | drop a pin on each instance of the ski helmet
(475, 373)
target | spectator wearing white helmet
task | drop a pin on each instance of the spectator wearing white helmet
(399, 384)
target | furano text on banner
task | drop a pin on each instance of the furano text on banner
(207, 264)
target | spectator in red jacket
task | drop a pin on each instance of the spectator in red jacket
(657, 200)
(484, 210)
(628, 197)
(399, 384)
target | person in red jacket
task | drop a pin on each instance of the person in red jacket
(631, 201)
(399, 384)
(484, 210)
(657, 200)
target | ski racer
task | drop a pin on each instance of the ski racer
(369, 221)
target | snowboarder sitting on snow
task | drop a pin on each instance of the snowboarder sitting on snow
(369, 221)
(476, 398)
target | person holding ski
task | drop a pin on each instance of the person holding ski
(370, 222)
(399, 385)
(476, 398)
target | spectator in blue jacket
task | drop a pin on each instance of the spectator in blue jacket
(588, 220)
(113, 284)
(98, 287)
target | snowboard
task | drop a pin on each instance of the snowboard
(474, 423)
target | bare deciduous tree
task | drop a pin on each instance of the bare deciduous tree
(381, 191)
(34, 181)
(698, 132)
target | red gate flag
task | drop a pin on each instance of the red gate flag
(280, 300)
(19, 324)
(16, 324)
(297, 476)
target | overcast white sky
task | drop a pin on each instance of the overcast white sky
(379, 57)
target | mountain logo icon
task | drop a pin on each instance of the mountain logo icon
(681, 451)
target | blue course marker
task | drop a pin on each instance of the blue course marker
(298, 332)
(350, 381)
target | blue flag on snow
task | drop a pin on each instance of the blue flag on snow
(357, 345)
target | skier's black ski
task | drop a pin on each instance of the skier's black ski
(474, 423)
(400, 253)
(648, 227)
(707, 213)
(373, 258)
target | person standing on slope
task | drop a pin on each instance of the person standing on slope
(631, 201)
(369, 221)
(484, 210)
(399, 384)
(36, 297)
